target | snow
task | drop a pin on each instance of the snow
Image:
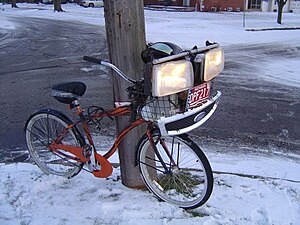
(7, 25)
(290, 67)
(249, 189)
(27, 196)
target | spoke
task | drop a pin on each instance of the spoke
(172, 150)
(38, 137)
(62, 161)
(184, 157)
(165, 154)
(186, 182)
(152, 159)
(178, 187)
(39, 132)
(43, 129)
(185, 185)
(190, 166)
(178, 154)
(47, 128)
(192, 169)
(155, 168)
(189, 158)
(170, 182)
(58, 129)
(165, 181)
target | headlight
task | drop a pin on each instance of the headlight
(214, 63)
(172, 77)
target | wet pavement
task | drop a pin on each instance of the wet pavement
(39, 53)
(254, 111)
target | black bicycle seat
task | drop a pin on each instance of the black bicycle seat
(68, 92)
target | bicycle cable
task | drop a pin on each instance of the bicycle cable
(92, 111)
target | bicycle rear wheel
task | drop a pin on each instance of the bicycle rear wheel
(178, 173)
(41, 129)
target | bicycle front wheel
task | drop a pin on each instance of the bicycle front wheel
(178, 172)
(41, 130)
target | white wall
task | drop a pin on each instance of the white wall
(265, 6)
(271, 6)
(295, 6)
(286, 8)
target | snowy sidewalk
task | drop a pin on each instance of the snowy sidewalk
(27, 196)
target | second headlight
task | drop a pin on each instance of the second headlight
(214, 63)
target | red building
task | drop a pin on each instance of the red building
(206, 5)
(217, 5)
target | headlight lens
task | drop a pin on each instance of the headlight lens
(172, 77)
(214, 63)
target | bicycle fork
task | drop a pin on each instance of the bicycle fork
(172, 163)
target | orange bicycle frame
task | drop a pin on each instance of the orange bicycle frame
(78, 153)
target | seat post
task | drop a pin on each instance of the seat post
(79, 110)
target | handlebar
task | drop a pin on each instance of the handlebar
(91, 59)
(110, 65)
(155, 61)
(185, 53)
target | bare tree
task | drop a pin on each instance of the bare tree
(14, 4)
(57, 6)
(125, 31)
(281, 4)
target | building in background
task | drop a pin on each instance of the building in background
(230, 5)
(295, 6)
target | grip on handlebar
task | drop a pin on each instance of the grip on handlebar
(91, 59)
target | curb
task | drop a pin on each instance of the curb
(169, 8)
(273, 28)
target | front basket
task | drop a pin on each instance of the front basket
(172, 121)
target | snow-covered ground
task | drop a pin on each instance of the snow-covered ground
(249, 189)
(27, 196)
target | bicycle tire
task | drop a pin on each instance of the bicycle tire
(189, 184)
(40, 130)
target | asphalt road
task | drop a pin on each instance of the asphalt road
(255, 112)
(39, 53)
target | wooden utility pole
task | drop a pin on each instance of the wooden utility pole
(125, 31)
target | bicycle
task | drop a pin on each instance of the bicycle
(172, 166)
